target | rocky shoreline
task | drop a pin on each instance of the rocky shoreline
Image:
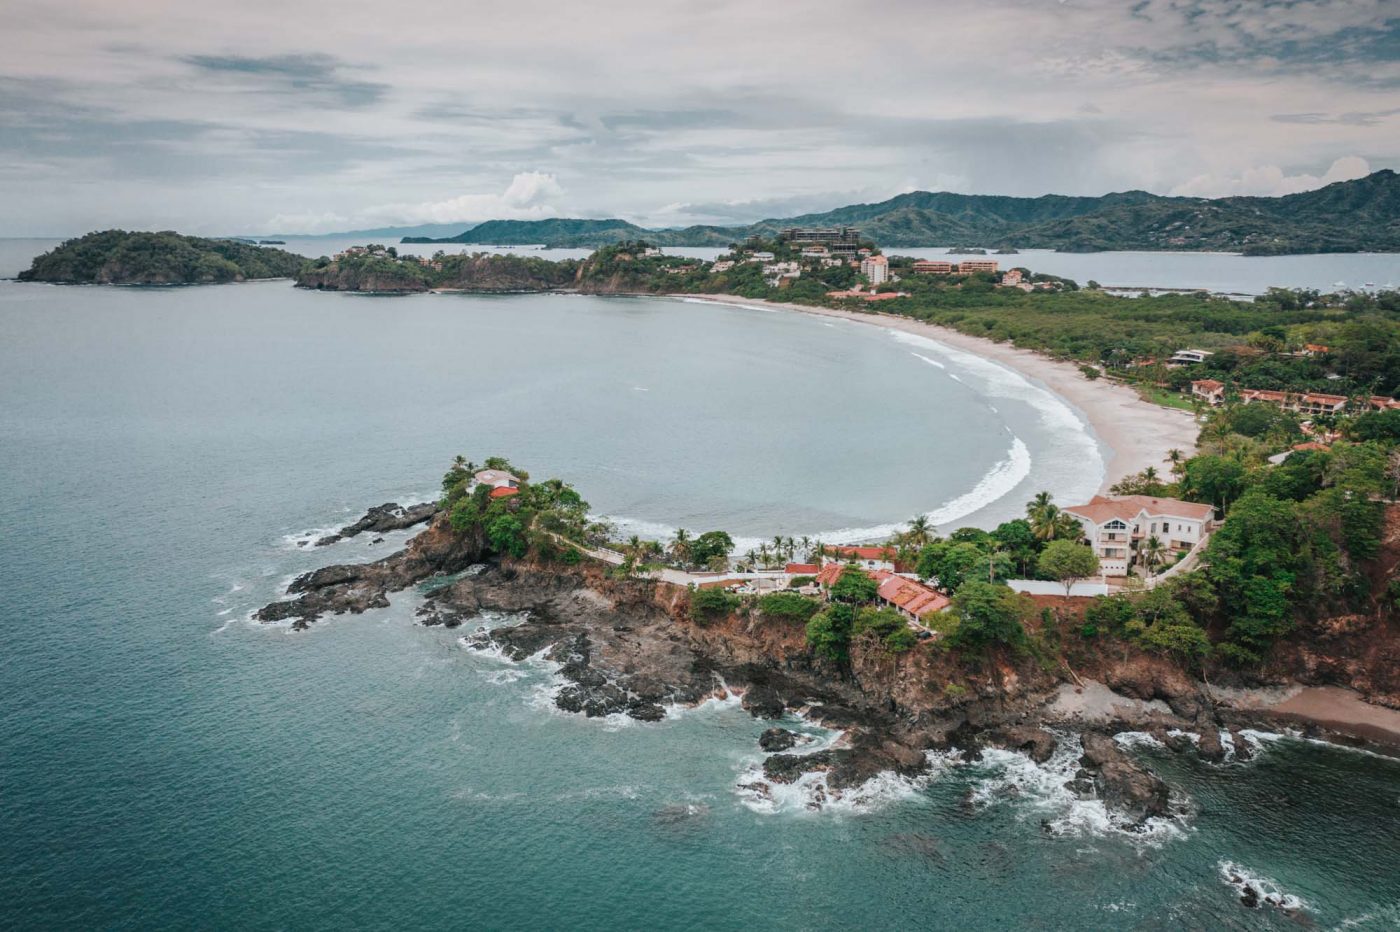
(628, 646)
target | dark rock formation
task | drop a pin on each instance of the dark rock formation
(357, 587)
(1034, 742)
(778, 739)
(1121, 782)
(384, 518)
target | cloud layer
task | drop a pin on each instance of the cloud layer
(312, 116)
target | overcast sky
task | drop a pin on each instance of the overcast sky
(292, 116)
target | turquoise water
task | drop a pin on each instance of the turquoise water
(163, 763)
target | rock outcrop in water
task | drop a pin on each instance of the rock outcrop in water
(381, 519)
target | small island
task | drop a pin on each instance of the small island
(120, 257)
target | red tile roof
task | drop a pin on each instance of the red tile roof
(913, 597)
(802, 569)
(504, 492)
(830, 573)
(1101, 508)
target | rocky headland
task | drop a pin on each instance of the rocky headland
(630, 646)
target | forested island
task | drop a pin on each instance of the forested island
(119, 257)
(1347, 216)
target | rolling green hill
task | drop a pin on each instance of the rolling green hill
(1348, 216)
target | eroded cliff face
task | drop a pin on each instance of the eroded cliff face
(335, 278)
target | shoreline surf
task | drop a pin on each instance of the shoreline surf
(1134, 433)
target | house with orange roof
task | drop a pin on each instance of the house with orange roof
(1211, 391)
(1114, 525)
(911, 599)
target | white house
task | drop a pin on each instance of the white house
(1113, 525)
(1189, 357)
(497, 479)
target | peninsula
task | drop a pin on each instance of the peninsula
(1263, 606)
(119, 257)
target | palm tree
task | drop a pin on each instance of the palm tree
(1178, 461)
(806, 547)
(1153, 552)
(763, 554)
(1149, 475)
(919, 531)
(680, 547)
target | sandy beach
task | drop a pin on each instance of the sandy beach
(1137, 433)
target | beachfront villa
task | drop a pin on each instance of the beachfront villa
(1114, 525)
(1302, 402)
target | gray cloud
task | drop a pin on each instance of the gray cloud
(312, 75)
(1353, 118)
(724, 113)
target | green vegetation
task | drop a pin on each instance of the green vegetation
(788, 606)
(1344, 217)
(1067, 562)
(707, 605)
(989, 615)
(887, 626)
(118, 257)
(534, 520)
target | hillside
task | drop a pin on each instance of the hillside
(118, 257)
(1348, 216)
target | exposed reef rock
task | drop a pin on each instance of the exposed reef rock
(1121, 782)
(357, 587)
(383, 518)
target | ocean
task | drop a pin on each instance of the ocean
(165, 763)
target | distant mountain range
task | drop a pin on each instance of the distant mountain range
(1348, 216)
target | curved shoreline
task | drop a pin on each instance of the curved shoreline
(1135, 433)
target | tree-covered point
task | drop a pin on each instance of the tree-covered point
(540, 517)
(120, 257)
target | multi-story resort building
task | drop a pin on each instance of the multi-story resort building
(1114, 525)
(933, 267)
(844, 240)
(967, 266)
(876, 269)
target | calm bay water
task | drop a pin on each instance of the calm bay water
(164, 763)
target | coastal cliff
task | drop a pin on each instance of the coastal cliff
(634, 646)
(380, 271)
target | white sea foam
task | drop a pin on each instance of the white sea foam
(1133, 740)
(1039, 790)
(813, 793)
(1262, 889)
(999, 481)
